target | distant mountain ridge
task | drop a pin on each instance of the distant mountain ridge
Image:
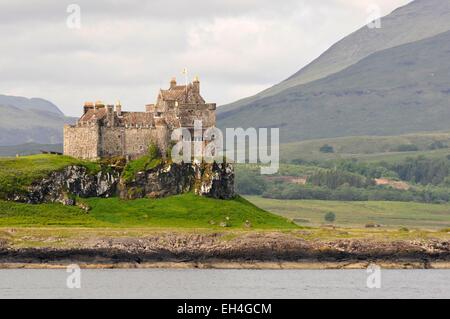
(26, 104)
(400, 90)
(32, 120)
(300, 100)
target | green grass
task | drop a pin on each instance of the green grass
(182, 211)
(141, 164)
(366, 147)
(358, 214)
(17, 173)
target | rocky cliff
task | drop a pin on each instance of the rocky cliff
(63, 186)
(212, 180)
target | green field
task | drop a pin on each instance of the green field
(182, 211)
(358, 214)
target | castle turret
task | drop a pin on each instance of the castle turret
(110, 114)
(196, 85)
(118, 109)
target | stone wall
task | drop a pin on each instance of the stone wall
(91, 141)
(121, 141)
(82, 141)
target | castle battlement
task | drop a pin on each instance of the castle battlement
(104, 130)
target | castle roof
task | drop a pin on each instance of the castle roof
(136, 118)
(181, 93)
(126, 118)
(93, 114)
(173, 94)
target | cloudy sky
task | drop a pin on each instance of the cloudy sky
(128, 49)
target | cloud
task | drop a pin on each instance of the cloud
(127, 49)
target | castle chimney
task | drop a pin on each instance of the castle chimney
(88, 106)
(118, 109)
(173, 83)
(196, 85)
(99, 105)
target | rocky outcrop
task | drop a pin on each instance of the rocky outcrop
(63, 186)
(211, 180)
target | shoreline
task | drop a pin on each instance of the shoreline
(236, 265)
(218, 250)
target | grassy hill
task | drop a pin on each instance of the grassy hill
(369, 147)
(182, 211)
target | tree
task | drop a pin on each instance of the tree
(330, 217)
(153, 151)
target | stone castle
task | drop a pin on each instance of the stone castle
(106, 131)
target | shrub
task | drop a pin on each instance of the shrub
(334, 179)
(330, 217)
(437, 145)
(327, 149)
(407, 148)
(153, 151)
(250, 183)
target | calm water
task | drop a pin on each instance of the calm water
(171, 283)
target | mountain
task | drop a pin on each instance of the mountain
(366, 83)
(32, 120)
(395, 91)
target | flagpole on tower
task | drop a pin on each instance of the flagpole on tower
(185, 72)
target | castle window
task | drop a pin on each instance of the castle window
(141, 147)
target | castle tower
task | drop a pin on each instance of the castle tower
(196, 85)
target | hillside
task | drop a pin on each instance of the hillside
(396, 91)
(357, 77)
(369, 147)
(406, 24)
(32, 120)
(182, 211)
